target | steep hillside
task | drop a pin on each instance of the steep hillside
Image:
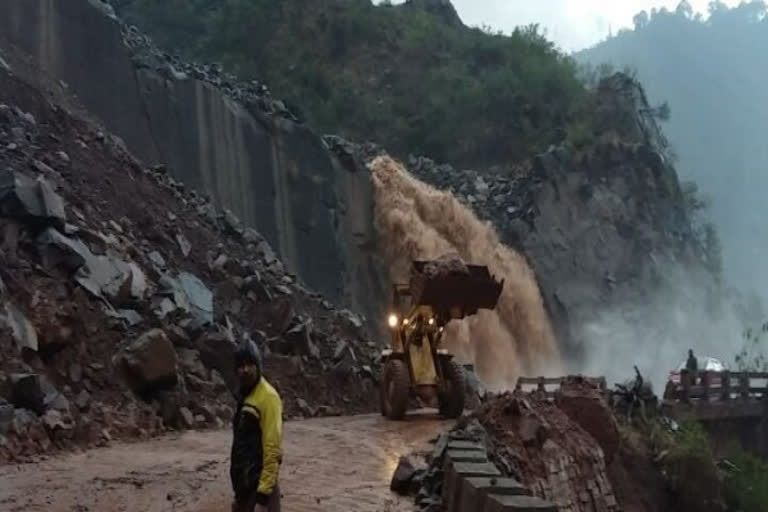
(229, 140)
(123, 292)
(403, 76)
(711, 70)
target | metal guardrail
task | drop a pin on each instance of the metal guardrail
(708, 386)
(550, 385)
(712, 396)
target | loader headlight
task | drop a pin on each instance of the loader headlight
(431, 321)
(392, 320)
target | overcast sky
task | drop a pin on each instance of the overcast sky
(572, 24)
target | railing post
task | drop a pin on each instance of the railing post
(725, 393)
(541, 386)
(705, 385)
(518, 385)
(744, 385)
(685, 380)
(765, 391)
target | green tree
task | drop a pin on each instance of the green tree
(395, 74)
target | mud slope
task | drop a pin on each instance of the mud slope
(122, 294)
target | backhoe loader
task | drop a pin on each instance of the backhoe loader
(415, 364)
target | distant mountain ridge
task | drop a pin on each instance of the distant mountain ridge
(712, 71)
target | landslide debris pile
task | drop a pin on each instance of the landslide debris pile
(537, 443)
(122, 294)
(557, 450)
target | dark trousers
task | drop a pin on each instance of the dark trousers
(249, 504)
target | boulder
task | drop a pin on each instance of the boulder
(54, 421)
(191, 295)
(6, 416)
(265, 252)
(23, 331)
(186, 417)
(189, 360)
(57, 250)
(178, 336)
(34, 392)
(403, 477)
(216, 352)
(30, 200)
(106, 277)
(298, 340)
(150, 362)
(254, 283)
(83, 400)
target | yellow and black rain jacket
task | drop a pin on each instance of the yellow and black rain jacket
(257, 443)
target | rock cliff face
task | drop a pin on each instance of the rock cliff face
(600, 227)
(229, 140)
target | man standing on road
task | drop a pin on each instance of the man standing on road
(257, 436)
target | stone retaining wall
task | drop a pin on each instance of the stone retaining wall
(474, 484)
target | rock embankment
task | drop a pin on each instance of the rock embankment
(123, 293)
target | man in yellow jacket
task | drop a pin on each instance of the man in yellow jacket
(257, 436)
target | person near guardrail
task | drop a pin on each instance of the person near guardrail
(692, 365)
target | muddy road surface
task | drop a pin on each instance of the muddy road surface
(330, 464)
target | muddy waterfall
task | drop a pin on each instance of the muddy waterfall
(416, 221)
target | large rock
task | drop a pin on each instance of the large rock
(216, 352)
(108, 277)
(30, 200)
(35, 392)
(190, 294)
(150, 362)
(298, 340)
(56, 249)
(403, 477)
(22, 329)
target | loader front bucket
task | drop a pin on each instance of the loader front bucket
(467, 289)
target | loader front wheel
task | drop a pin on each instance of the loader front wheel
(451, 396)
(395, 387)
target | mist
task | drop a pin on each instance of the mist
(684, 312)
(712, 71)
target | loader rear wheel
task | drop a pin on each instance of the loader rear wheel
(395, 387)
(451, 396)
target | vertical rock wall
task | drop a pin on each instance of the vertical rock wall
(274, 174)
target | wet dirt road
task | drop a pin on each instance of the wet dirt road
(331, 464)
